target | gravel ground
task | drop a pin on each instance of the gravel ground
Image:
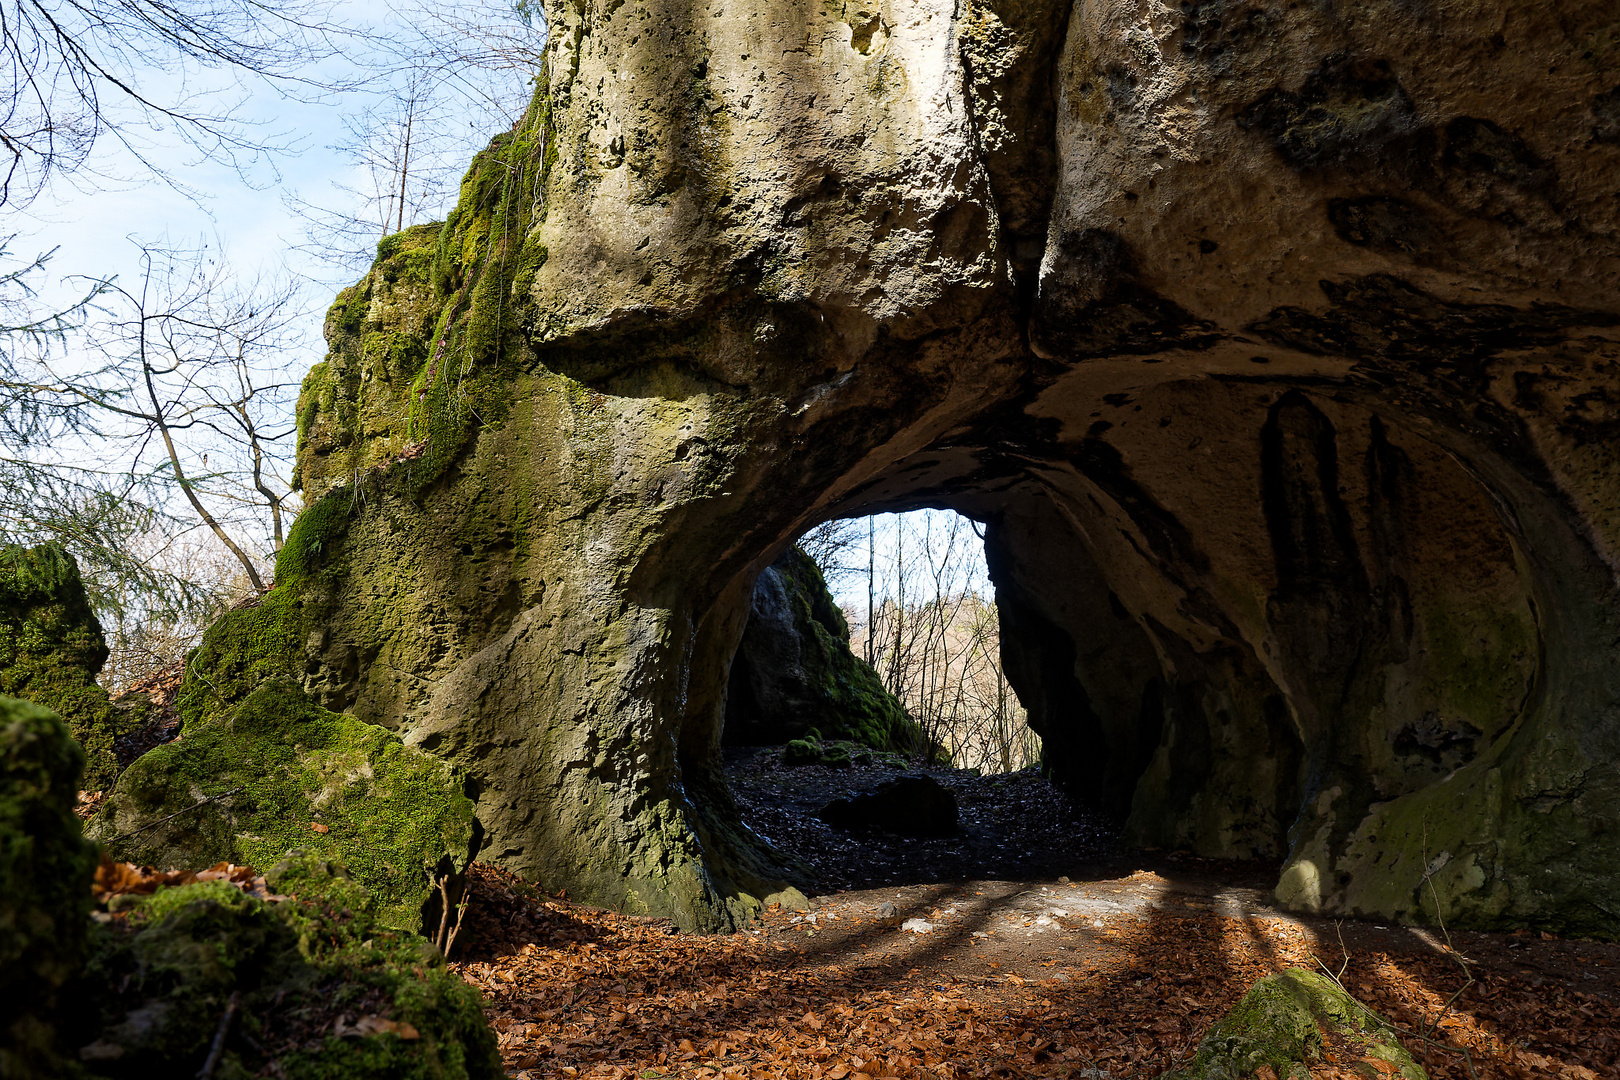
(1013, 826)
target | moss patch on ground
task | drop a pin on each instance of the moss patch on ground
(278, 771)
(52, 649)
(316, 988)
(1288, 1022)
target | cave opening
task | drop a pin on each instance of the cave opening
(906, 596)
(901, 606)
(1224, 618)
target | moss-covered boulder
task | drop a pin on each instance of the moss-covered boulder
(314, 987)
(45, 868)
(278, 771)
(794, 671)
(1291, 1021)
(52, 649)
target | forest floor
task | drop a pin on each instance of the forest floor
(1032, 945)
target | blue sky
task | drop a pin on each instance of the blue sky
(91, 220)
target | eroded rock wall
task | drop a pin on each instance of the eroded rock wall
(1275, 344)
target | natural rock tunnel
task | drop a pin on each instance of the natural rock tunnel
(1274, 344)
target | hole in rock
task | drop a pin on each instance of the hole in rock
(872, 655)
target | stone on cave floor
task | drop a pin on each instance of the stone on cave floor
(836, 754)
(1290, 1021)
(916, 805)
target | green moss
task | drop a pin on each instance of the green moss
(1280, 1023)
(394, 814)
(314, 395)
(155, 989)
(45, 869)
(444, 340)
(348, 313)
(312, 539)
(801, 752)
(51, 649)
(241, 650)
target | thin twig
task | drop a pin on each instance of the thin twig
(444, 912)
(218, 1048)
(1426, 1035)
(461, 911)
(177, 813)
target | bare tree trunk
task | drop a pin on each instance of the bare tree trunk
(405, 161)
(871, 588)
(179, 474)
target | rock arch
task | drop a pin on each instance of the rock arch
(1276, 344)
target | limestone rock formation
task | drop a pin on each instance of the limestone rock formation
(1275, 346)
(793, 672)
(52, 649)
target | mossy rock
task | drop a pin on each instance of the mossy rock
(52, 649)
(834, 754)
(45, 869)
(283, 772)
(1286, 1021)
(304, 975)
(801, 752)
(794, 676)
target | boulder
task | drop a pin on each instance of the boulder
(277, 772)
(915, 805)
(1291, 1021)
(45, 868)
(307, 987)
(794, 673)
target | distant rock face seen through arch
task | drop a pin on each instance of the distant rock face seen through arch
(1275, 345)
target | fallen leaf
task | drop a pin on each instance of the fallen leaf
(375, 1025)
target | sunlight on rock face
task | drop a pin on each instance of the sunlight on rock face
(1301, 886)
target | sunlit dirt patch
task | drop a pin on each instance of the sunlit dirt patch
(1126, 993)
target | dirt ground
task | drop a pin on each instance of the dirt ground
(1031, 945)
